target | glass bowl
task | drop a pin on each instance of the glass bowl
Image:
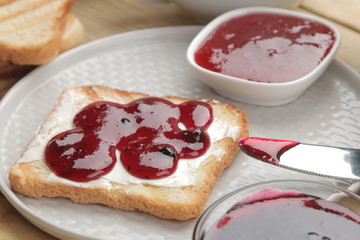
(263, 209)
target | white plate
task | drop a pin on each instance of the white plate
(153, 61)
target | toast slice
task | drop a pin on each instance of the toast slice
(180, 196)
(72, 36)
(31, 31)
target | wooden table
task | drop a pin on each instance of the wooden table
(108, 17)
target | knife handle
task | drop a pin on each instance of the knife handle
(346, 201)
(355, 187)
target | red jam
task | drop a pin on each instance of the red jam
(151, 135)
(267, 150)
(266, 47)
(285, 216)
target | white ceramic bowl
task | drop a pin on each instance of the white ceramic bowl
(258, 93)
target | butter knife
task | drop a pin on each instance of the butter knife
(336, 162)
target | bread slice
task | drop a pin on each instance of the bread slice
(3, 2)
(72, 36)
(31, 31)
(181, 196)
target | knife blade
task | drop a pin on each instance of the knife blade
(322, 160)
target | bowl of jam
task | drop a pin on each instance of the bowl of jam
(282, 210)
(263, 56)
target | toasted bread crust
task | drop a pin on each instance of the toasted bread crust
(181, 202)
(31, 32)
(3, 2)
(72, 36)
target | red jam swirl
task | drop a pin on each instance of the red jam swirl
(150, 134)
(266, 47)
(264, 149)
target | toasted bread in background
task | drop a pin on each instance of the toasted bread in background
(33, 32)
(31, 176)
(73, 34)
(2, 2)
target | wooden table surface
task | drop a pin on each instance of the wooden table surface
(102, 18)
